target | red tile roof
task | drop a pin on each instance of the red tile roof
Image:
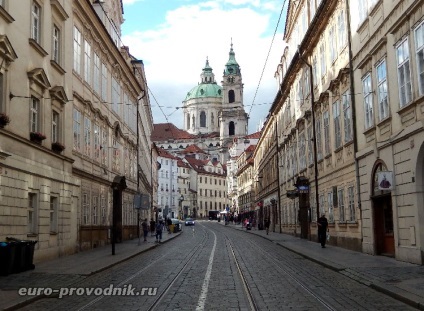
(193, 149)
(166, 131)
(256, 135)
(165, 154)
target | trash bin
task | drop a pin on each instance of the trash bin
(24, 255)
(171, 228)
(7, 257)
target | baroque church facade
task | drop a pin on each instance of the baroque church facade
(210, 108)
(214, 119)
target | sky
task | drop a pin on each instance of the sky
(175, 37)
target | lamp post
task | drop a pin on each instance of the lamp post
(180, 200)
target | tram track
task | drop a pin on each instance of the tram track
(195, 250)
(270, 258)
(194, 253)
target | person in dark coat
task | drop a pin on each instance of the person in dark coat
(152, 227)
(322, 230)
(145, 227)
(267, 223)
(159, 227)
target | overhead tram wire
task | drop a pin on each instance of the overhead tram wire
(266, 60)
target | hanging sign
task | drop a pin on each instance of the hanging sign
(385, 180)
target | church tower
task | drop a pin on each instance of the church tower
(232, 118)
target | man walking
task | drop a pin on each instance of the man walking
(267, 225)
(145, 227)
(322, 230)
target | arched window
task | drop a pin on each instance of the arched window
(231, 96)
(188, 121)
(192, 122)
(231, 129)
(202, 119)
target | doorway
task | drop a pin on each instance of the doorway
(383, 226)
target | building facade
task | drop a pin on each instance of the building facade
(314, 105)
(78, 124)
(387, 43)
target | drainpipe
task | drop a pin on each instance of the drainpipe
(352, 99)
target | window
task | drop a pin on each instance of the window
(341, 30)
(77, 50)
(319, 137)
(87, 62)
(2, 92)
(105, 145)
(87, 136)
(315, 71)
(333, 43)
(85, 209)
(347, 117)
(351, 193)
(116, 95)
(367, 92)
(53, 213)
(32, 213)
(326, 132)
(202, 119)
(310, 149)
(96, 142)
(95, 209)
(340, 198)
(330, 207)
(36, 23)
(77, 130)
(337, 125)
(56, 44)
(419, 48)
(104, 82)
(103, 208)
(35, 115)
(302, 152)
(96, 73)
(404, 74)
(306, 84)
(231, 96)
(323, 63)
(382, 93)
(55, 126)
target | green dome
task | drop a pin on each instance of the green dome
(204, 90)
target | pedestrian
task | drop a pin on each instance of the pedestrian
(169, 223)
(152, 227)
(145, 227)
(322, 230)
(267, 226)
(159, 227)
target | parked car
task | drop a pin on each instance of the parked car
(177, 224)
(189, 222)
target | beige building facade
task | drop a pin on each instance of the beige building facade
(71, 96)
(315, 68)
(387, 42)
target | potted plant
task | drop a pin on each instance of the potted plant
(58, 147)
(37, 137)
(4, 119)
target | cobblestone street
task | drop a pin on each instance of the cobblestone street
(216, 268)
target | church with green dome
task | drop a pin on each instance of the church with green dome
(210, 108)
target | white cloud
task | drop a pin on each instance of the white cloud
(175, 53)
(129, 2)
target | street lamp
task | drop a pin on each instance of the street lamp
(180, 200)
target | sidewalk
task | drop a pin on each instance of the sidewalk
(400, 280)
(65, 271)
